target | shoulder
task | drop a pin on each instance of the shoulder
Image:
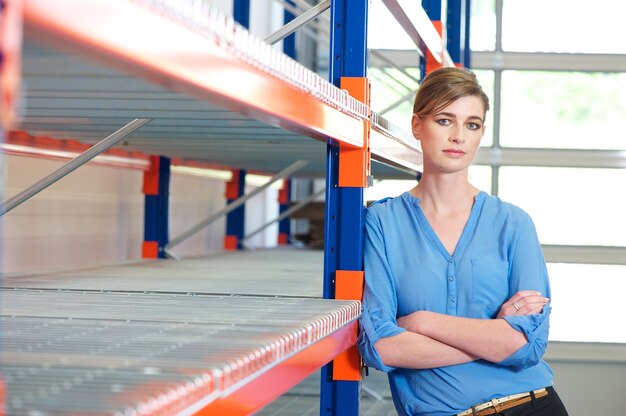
(494, 203)
(387, 209)
(496, 207)
(386, 206)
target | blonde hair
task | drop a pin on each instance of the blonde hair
(444, 86)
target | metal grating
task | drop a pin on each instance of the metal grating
(117, 353)
(68, 96)
(271, 272)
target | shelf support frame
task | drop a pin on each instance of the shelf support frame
(100, 147)
(344, 208)
(285, 214)
(294, 167)
(298, 22)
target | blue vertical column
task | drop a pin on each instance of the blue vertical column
(433, 9)
(457, 23)
(289, 43)
(284, 225)
(345, 211)
(241, 12)
(235, 220)
(284, 197)
(156, 187)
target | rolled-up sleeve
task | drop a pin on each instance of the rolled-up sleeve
(378, 318)
(535, 327)
(528, 272)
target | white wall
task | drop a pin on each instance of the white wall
(95, 216)
(192, 199)
(590, 378)
(91, 216)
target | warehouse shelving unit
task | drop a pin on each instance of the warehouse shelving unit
(127, 339)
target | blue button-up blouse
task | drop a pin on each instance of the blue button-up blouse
(408, 269)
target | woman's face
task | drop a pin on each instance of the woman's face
(450, 137)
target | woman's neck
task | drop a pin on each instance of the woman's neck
(445, 193)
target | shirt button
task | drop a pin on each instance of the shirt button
(451, 277)
(450, 261)
(453, 299)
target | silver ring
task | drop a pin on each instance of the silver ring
(516, 306)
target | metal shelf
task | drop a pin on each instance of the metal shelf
(116, 351)
(213, 92)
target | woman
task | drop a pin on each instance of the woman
(455, 306)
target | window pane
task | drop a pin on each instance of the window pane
(388, 188)
(384, 31)
(395, 92)
(563, 110)
(483, 25)
(574, 26)
(570, 206)
(587, 302)
(480, 177)
(486, 80)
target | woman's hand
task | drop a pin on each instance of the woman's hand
(523, 303)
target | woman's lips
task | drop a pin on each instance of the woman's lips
(454, 152)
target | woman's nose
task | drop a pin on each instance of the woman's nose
(456, 136)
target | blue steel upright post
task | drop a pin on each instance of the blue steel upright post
(241, 12)
(156, 188)
(235, 220)
(457, 27)
(345, 210)
(284, 225)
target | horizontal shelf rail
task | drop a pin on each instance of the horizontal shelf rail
(205, 54)
(416, 23)
(393, 146)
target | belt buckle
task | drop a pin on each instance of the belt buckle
(493, 403)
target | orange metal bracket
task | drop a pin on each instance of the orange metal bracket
(230, 242)
(431, 62)
(10, 58)
(283, 193)
(3, 397)
(151, 177)
(150, 250)
(348, 286)
(354, 162)
(232, 186)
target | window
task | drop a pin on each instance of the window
(486, 80)
(564, 26)
(384, 32)
(572, 110)
(586, 299)
(480, 177)
(570, 206)
(483, 25)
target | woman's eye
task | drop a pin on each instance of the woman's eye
(473, 126)
(443, 121)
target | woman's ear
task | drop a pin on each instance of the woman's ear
(416, 124)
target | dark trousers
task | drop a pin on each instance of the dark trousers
(549, 405)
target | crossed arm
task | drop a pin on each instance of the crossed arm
(437, 340)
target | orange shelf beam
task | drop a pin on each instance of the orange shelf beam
(151, 46)
(253, 395)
